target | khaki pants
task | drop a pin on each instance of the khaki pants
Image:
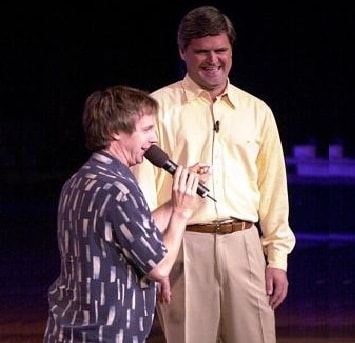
(218, 291)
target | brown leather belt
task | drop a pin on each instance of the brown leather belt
(221, 228)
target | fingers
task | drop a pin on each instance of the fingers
(278, 297)
(192, 182)
(164, 292)
(204, 171)
(277, 286)
(185, 181)
(184, 193)
(201, 168)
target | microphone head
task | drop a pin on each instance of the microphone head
(156, 156)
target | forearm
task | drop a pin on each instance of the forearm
(162, 215)
(172, 238)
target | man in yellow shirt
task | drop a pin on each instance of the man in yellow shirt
(230, 275)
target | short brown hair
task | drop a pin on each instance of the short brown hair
(111, 110)
(204, 21)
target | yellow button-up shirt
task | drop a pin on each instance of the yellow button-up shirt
(248, 177)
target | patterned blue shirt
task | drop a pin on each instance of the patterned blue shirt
(108, 241)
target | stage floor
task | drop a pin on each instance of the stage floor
(320, 306)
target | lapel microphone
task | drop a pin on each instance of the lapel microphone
(216, 126)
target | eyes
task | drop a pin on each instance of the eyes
(219, 52)
(148, 129)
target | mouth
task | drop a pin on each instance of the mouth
(145, 150)
(211, 68)
(211, 71)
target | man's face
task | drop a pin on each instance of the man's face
(209, 61)
(133, 146)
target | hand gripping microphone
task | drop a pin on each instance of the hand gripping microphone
(160, 159)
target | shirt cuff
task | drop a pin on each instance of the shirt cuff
(276, 259)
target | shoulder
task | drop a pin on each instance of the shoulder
(168, 92)
(168, 89)
(105, 181)
(245, 96)
(244, 99)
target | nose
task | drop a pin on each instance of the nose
(211, 57)
(154, 137)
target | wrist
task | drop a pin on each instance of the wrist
(183, 214)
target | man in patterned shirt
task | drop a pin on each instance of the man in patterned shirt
(112, 253)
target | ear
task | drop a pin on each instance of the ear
(182, 54)
(116, 136)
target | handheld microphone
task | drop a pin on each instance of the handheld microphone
(161, 159)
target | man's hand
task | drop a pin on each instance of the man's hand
(276, 286)
(203, 171)
(184, 198)
(164, 291)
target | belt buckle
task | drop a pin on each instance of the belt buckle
(218, 224)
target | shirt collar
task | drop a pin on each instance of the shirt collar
(193, 91)
(104, 158)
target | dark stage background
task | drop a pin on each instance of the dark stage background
(298, 56)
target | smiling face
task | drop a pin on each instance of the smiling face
(129, 148)
(208, 62)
